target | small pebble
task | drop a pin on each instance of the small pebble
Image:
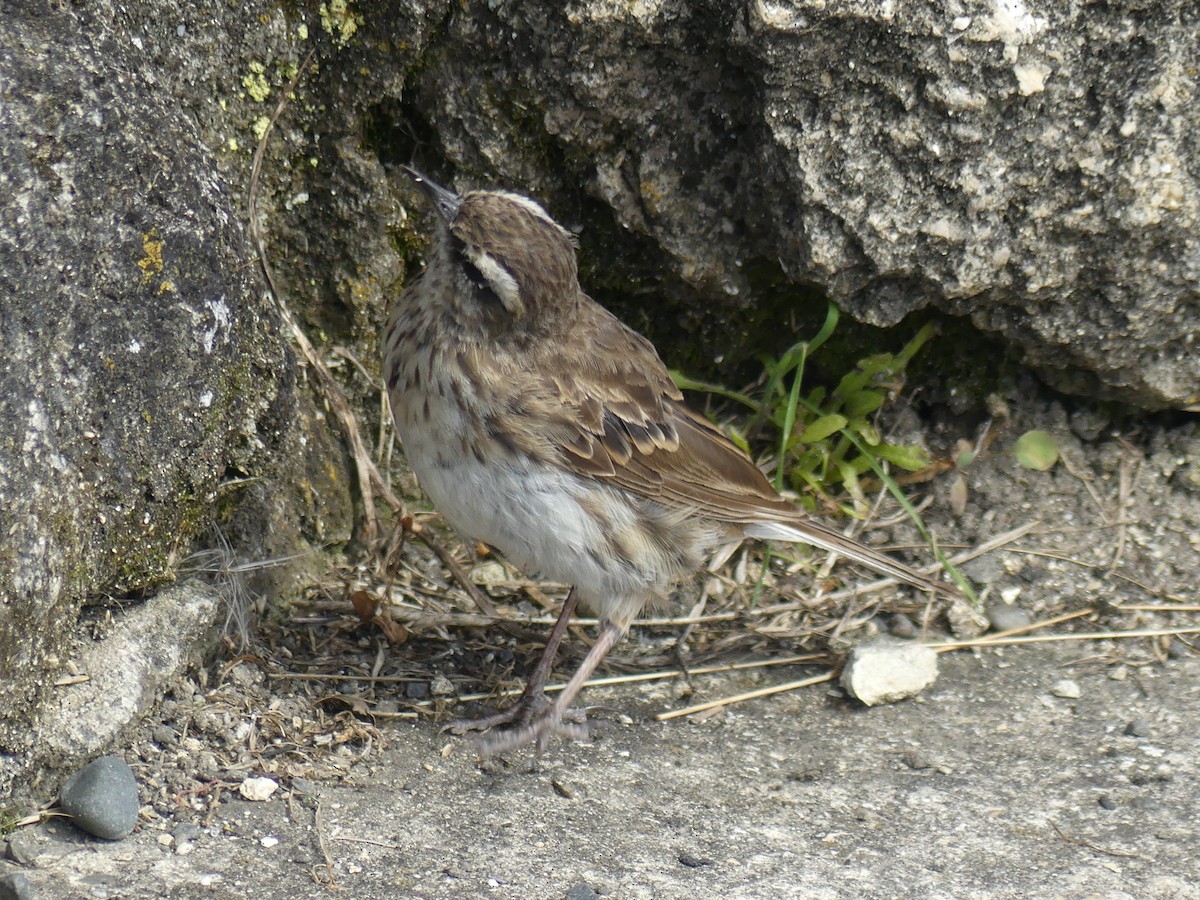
(258, 789)
(269, 841)
(16, 887)
(165, 736)
(1067, 689)
(581, 891)
(304, 786)
(1138, 728)
(1006, 617)
(416, 690)
(902, 626)
(20, 850)
(693, 862)
(102, 798)
(1107, 802)
(916, 759)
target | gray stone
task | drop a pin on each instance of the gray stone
(21, 850)
(102, 798)
(1067, 689)
(984, 165)
(144, 651)
(16, 887)
(1007, 616)
(1138, 728)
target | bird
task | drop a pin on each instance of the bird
(542, 426)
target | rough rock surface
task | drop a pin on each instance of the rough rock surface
(140, 363)
(1035, 169)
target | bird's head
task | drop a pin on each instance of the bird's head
(509, 263)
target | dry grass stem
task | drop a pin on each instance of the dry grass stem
(749, 695)
(1077, 636)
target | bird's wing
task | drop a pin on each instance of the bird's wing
(611, 412)
(620, 418)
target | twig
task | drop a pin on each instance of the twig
(995, 543)
(750, 695)
(1021, 629)
(1156, 607)
(481, 601)
(319, 820)
(1127, 854)
(368, 841)
(1050, 638)
(551, 688)
(1124, 490)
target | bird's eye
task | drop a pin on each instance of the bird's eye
(482, 289)
(493, 282)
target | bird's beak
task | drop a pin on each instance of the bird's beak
(445, 201)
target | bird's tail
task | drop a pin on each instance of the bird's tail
(807, 531)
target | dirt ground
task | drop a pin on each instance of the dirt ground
(988, 785)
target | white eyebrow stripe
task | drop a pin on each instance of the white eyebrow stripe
(535, 208)
(498, 278)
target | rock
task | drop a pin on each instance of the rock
(258, 789)
(581, 891)
(144, 651)
(1007, 616)
(884, 672)
(21, 850)
(102, 798)
(1138, 728)
(724, 168)
(1067, 689)
(186, 833)
(901, 626)
(16, 887)
(142, 362)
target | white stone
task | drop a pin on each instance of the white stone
(884, 672)
(258, 789)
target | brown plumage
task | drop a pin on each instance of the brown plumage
(540, 424)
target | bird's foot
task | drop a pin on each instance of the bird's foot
(537, 730)
(518, 715)
(531, 720)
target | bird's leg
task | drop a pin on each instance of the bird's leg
(549, 721)
(533, 698)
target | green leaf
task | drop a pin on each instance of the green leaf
(1036, 450)
(907, 456)
(866, 431)
(863, 403)
(823, 428)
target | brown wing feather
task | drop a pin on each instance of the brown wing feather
(625, 420)
(613, 413)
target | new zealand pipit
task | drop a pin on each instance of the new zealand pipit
(542, 426)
